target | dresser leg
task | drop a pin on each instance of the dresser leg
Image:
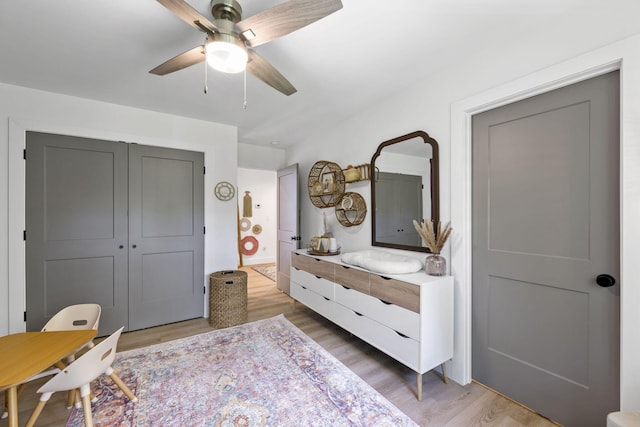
(419, 383)
(444, 374)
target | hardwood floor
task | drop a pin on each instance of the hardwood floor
(442, 405)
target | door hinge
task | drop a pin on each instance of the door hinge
(204, 290)
(25, 316)
(204, 170)
(24, 154)
(24, 235)
(204, 230)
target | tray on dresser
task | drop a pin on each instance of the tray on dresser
(317, 253)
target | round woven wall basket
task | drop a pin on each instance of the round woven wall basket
(325, 184)
(351, 210)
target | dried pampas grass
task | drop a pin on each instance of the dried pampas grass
(433, 239)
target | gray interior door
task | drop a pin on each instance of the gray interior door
(394, 221)
(288, 224)
(166, 235)
(545, 226)
(76, 218)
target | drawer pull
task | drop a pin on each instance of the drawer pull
(303, 287)
(296, 268)
(328, 299)
(384, 302)
(317, 277)
(402, 335)
(385, 278)
(317, 259)
(345, 267)
(346, 287)
(358, 314)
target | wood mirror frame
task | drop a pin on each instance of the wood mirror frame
(433, 187)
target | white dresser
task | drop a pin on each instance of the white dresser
(407, 316)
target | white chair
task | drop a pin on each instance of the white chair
(80, 373)
(78, 316)
(73, 317)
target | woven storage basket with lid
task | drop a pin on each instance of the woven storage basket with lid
(227, 298)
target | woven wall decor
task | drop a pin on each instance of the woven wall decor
(257, 229)
(325, 184)
(224, 191)
(352, 209)
(246, 204)
(249, 245)
(245, 224)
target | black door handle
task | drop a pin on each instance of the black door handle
(605, 280)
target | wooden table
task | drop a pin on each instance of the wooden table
(28, 353)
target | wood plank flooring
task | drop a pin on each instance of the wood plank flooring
(449, 405)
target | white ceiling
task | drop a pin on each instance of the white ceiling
(103, 50)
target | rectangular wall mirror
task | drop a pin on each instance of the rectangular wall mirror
(404, 187)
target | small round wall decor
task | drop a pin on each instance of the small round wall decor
(245, 224)
(257, 229)
(224, 191)
(249, 245)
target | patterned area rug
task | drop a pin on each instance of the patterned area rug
(265, 373)
(266, 270)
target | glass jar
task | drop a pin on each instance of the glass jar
(435, 265)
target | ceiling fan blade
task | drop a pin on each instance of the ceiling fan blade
(285, 18)
(189, 15)
(262, 69)
(181, 61)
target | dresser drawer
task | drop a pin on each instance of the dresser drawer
(395, 317)
(321, 305)
(404, 294)
(402, 348)
(352, 278)
(314, 266)
(317, 284)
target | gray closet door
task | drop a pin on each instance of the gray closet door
(166, 236)
(545, 226)
(76, 218)
(394, 221)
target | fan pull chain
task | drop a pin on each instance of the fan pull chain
(206, 89)
(244, 104)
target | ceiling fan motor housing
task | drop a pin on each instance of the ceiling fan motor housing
(229, 10)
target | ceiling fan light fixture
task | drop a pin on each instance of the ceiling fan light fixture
(226, 55)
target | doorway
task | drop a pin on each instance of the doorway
(118, 224)
(257, 213)
(546, 245)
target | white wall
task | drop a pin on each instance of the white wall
(24, 109)
(262, 185)
(427, 106)
(258, 157)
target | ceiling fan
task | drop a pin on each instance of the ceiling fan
(230, 40)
